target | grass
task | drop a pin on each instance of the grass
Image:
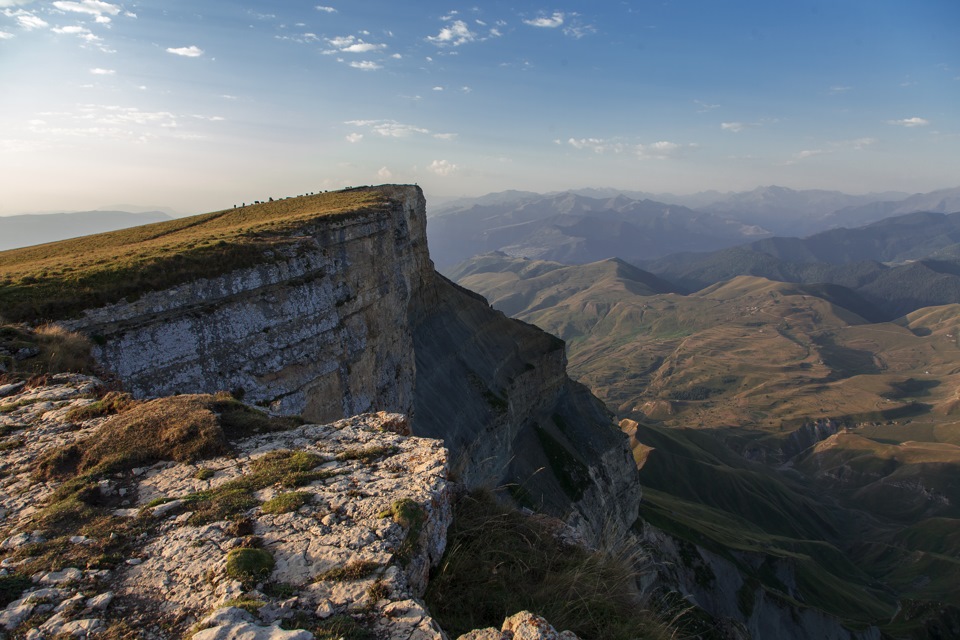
(112, 403)
(249, 566)
(54, 350)
(353, 570)
(12, 586)
(284, 468)
(60, 279)
(287, 502)
(411, 516)
(499, 562)
(367, 455)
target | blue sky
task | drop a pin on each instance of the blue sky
(200, 105)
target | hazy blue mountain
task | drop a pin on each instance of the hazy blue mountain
(575, 229)
(788, 212)
(30, 229)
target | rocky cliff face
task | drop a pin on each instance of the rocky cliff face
(353, 318)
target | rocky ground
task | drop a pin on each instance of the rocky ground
(339, 544)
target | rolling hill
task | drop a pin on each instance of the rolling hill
(26, 230)
(776, 425)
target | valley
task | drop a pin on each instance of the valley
(773, 425)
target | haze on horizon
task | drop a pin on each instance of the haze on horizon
(200, 107)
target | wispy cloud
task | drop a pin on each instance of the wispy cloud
(442, 167)
(384, 173)
(388, 128)
(192, 51)
(657, 150)
(454, 35)
(354, 137)
(326, 9)
(5, 35)
(103, 72)
(704, 106)
(735, 127)
(838, 89)
(910, 122)
(26, 20)
(445, 136)
(547, 22)
(92, 7)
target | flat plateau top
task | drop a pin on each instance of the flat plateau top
(59, 279)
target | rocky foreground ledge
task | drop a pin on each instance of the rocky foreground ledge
(312, 531)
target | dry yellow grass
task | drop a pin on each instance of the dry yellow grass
(54, 280)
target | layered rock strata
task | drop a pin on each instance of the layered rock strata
(353, 318)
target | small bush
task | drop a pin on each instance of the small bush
(11, 587)
(204, 474)
(286, 502)
(249, 565)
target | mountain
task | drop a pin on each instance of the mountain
(788, 212)
(898, 265)
(576, 229)
(30, 229)
(791, 450)
(940, 201)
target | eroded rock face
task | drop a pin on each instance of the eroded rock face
(353, 318)
(319, 329)
(175, 573)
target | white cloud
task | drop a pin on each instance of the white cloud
(192, 51)
(326, 9)
(388, 128)
(29, 21)
(5, 35)
(438, 88)
(547, 22)
(836, 89)
(384, 173)
(366, 65)
(14, 3)
(73, 29)
(735, 127)
(910, 122)
(354, 138)
(352, 44)
(455, 35)
(704, 106)
(103, 72)
(445, 136)
(442, 167)
(92, 7)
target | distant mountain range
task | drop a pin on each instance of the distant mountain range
(587, 225)
(898, 265)
(31, 229)
(572, 228)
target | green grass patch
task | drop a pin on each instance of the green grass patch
(12, 587)
(203, 473)
(249, 566)
(249, 605)
(111, 403)
(499, 562)
(367, 454)
(287, 502)
(411, 516)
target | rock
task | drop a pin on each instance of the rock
(247, 631)
(65, 576)
(527, 626)
(100, 602)
(485, 634)
(10, 389)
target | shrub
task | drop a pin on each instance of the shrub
(353, 570)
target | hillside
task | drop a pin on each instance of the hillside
(896, 265)
(730, 387)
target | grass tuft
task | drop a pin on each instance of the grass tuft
(353, 570)
(286, 502)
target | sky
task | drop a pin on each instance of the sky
(199, 105)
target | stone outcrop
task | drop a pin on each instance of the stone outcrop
(352, 318)
(341, 552)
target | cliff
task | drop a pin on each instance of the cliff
(344, 314)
